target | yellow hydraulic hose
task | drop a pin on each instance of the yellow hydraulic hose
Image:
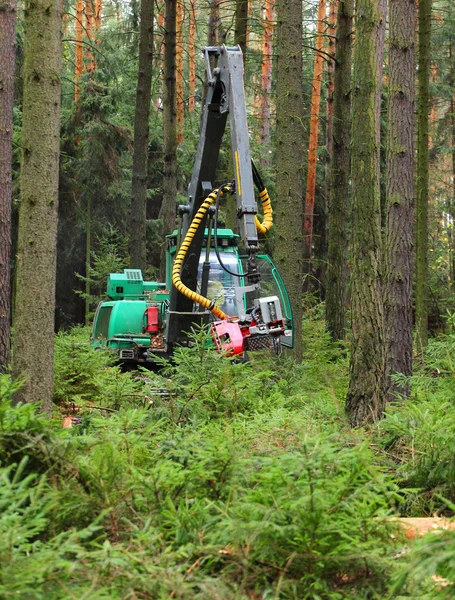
(176, 280)
(263, 228)
(267, 223)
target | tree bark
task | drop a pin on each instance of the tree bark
(168, 206)
(138, 218)
(192, 57)
(241, 25)
(33, 343)
(400, 191)
(78, 66)
(289, 152)
(266, 80)
(366, 394)
(335, 306)
(314, 131)
(214, 23)
(89, 63)
(179, 72)
(7, 60)
(422, 175)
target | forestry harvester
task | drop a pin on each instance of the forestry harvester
(239, 295)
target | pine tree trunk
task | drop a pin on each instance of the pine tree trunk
(241, 25)
(314, 131)
(400, 191)
(78, 66)
(98, 10)
(331, 50)
(7, 60)
(266, 80)
(335, 299)
(179, 72)
(89, 63)
(192, 57)
(214, 23)
(423, 107)
(168, 206)
(366, 394)
(138, 219)
(33, 342)
(289, 156)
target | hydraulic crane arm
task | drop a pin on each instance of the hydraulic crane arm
(225, 97)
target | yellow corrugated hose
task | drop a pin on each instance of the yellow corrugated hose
(176, 280)
(263, 228)
(267, 223)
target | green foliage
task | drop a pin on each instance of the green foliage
(85, 375)
(429, 573)
(209, 479)
(111, 256)
(417, 436)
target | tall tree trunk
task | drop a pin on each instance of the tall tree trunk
(98, 10)
(289, 153)
(7, 60)
(89, 64)
(335, 300)
(179, 71)
(366, 394)
(423, 107)
(241, 25)
(159, 49)
(214, 23)
(138, 218)
(400, 191)
(314, 131)
(33, 342)
(78, 49)
(331, 50)
(168, 206)
(266, 80)
(192, 57)
(324, 203)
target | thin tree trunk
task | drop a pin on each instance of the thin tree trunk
(289, 152)
(7, 60)
(168, 206)
(138, 218)
(89, 64)
(160, 54)
(241, 25)
(452, 211)
(33, 342)
(400, 192)
(324, 203)
(88, 256)
(266, 80)
(214, 23)
(191, 57)
(422, 176)
(179, 71)
(366, 394)
(331, 50)
(339, 177)
(314, 130)
(98, 11)
(78, 36)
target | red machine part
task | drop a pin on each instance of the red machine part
(228, 337)
(151, 320)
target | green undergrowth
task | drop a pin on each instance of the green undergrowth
(219, 480)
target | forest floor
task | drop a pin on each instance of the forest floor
(241, 481)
